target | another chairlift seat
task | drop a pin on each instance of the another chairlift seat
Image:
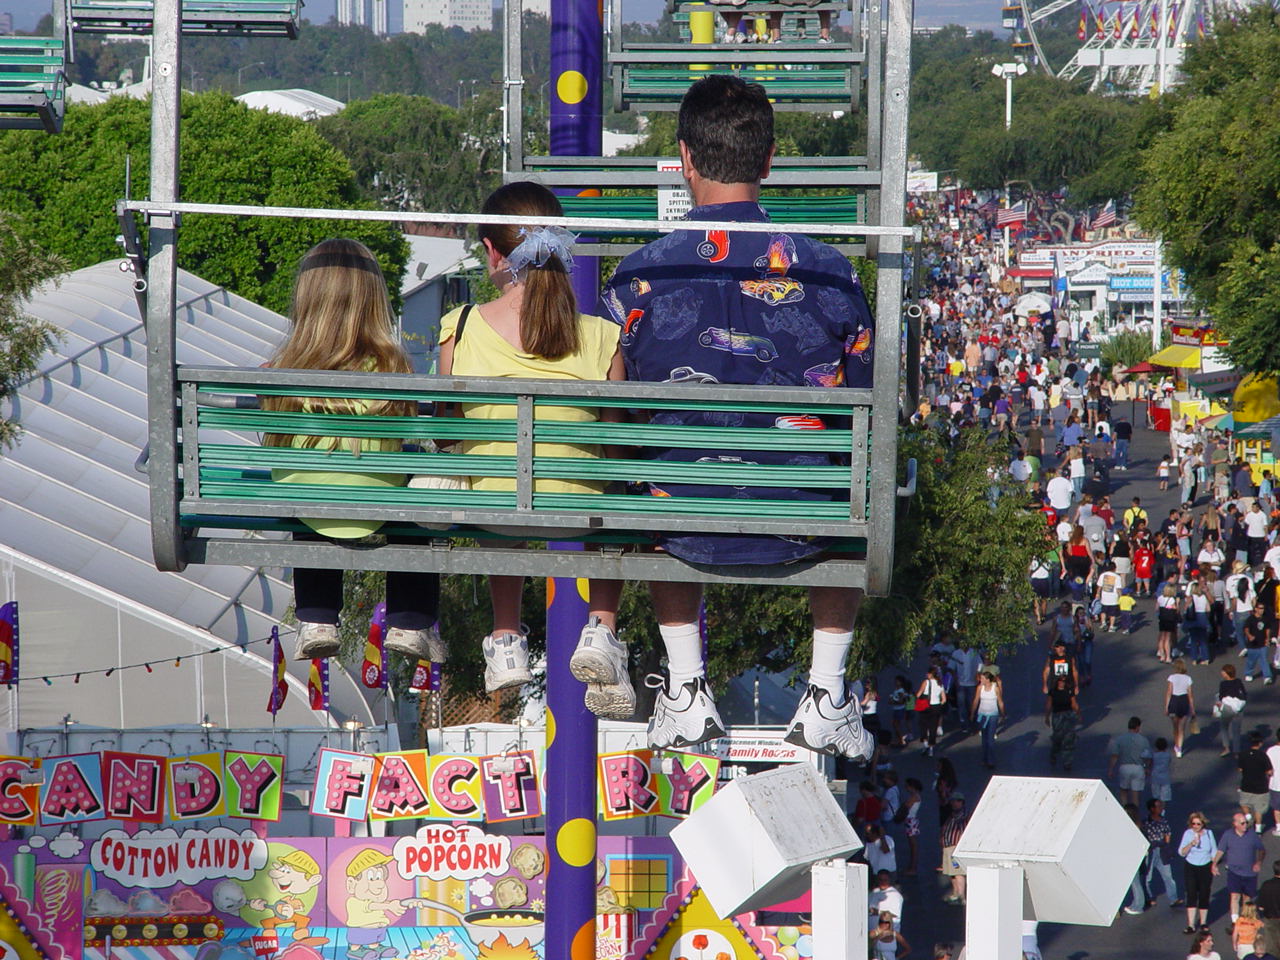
(259, 18)
(33, 83)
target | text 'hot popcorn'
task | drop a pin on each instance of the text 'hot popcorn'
(461, 852)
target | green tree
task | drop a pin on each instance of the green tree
(23, 338)
(65, 188)
(1211, 184)
(411, 153)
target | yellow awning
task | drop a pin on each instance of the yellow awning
(1177, 355)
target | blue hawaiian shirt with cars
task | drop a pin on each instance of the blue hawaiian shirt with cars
(750, 308)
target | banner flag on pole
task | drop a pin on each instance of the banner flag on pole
(9, 643)
(279, 689)
(373, 672)
(318, 683)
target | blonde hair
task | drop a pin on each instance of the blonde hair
(1179, 666)
(1197, 815)
(1249, 909)
(340, 319)
(548, 309)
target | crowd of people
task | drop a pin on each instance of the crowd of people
(1205, 574)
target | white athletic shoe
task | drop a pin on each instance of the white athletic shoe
(600, 661)
(683, 718)
(821, 726)
(506, 661)
(419, 644)
(316, 640)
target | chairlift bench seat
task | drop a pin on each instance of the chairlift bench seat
(33, 83)
(642, 172)
(259, 18)
(229, 507)
(661, 88)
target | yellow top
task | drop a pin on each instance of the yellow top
(484, 353)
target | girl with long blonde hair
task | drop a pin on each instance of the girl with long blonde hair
(341, 319)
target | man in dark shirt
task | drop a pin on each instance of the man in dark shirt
(1255, 780)
(1123, 431)
(744, 308)
(1255, 644)
(1159, 837)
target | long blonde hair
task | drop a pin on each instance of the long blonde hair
(548, 309)
(340, 319)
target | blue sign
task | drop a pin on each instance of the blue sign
(1140, 282)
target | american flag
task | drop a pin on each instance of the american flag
(1106, 217)
(1010, 216)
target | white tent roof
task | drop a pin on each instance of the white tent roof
(75, 547)
(306, 104)
(433, 257)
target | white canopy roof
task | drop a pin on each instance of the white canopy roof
(75, 548)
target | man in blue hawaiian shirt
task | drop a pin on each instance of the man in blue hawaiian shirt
(752, 308)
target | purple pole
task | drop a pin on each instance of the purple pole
(577, 111)
(571, 781)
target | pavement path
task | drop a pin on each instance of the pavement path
(1127, 681)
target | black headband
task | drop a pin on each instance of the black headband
(352, 261)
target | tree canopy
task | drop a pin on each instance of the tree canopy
(64, 188)
(23, 339)
(1211, 184)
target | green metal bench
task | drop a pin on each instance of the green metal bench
(845, 209)
(261, 18)
(800, 89)
(228, 506)
(33, 83)
(642, 172)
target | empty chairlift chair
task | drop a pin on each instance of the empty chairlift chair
(259, 18)
(33, 83)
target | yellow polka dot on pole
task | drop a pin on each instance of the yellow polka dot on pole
(571, 87)
(576, 842)
(584, 589)
(551, 728)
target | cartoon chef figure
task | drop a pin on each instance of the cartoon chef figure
(293, 874)
(369, 911)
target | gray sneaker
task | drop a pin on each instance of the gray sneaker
(600, 661)
(506, 661)
(419, 644)
(316, 640)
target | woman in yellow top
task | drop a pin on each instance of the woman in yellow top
(340, 319)
(533, 330)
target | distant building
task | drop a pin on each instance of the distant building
(373, 14)
(6, 24)
(466, 14)
(426, 289)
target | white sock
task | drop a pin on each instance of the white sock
(684, 652)
(830, 650)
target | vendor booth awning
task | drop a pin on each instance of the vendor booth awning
(1216, 383)
(1259, 431)
(1177, 355)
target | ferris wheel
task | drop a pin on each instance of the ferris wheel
(1124, 44)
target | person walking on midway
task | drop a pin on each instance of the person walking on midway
(1131, 757)
(1061, 713)
(1179, 702)
(1242, 850)
(1197, 849)
(988, 711)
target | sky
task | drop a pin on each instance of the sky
(978, 14)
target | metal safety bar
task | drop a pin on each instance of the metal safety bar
(154, 207)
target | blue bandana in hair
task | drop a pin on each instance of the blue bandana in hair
(539, 245)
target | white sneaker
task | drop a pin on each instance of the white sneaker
(682, 719)
(821, 726)
(1276, 832)
(506, 661)
(316, 640)
(600, 661)
(419, 644)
